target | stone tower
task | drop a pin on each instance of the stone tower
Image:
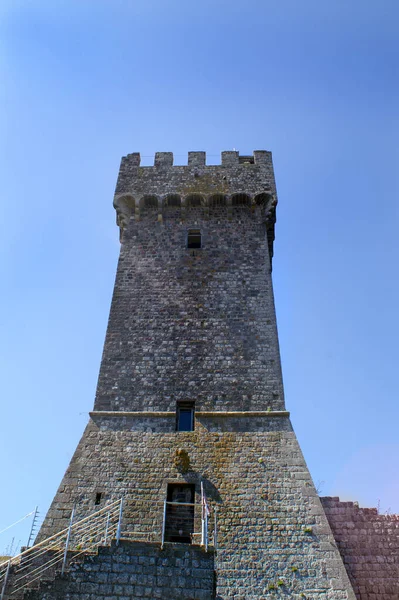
(190, 394)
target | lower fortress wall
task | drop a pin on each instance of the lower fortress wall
(272, 530)
(135, 570)
(368, 543)
(369, 546)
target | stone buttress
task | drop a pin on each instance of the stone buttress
(192, 328)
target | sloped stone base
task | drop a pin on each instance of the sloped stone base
(272, 530)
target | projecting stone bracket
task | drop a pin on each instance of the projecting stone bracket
(131, 205)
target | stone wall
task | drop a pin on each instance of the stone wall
(252, 174)
(193, 325)
(196, 325)
(369, 545)
(135, 570)
(272, 527)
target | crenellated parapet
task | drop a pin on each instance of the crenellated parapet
(238, 183)
(251, 174)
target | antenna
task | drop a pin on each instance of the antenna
(33, 527)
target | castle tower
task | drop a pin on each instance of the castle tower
(190, 403)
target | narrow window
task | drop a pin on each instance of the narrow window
(194, 238)
(98, 499)
(185, 416)
(179, 522)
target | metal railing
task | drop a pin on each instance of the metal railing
(80, 537)
(166, 521)
(144, 521)
(189, 522)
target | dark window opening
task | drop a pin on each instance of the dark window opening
(194, 200)
(262, 198)
(98, 499)
(185, 416)
(246, 159)
(150, 202)
(194, 238)
(179, 522)
(217, 200)
(173, 200)
(240, 200)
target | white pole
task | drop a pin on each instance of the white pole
(5, 580)
(32, 527)
(67, 541)
(163, 524)
(202, 516)
(206, 529)
(106, 529)
(118, 531)
(215, 531)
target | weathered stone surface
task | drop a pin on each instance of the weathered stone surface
(258, 480)
(190, 324)
(135, 570)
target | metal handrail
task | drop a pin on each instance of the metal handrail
(98, 529)
(81, 536)
(63, 531)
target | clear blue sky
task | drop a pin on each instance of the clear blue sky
(85, 82)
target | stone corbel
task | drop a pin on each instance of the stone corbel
(124, 205)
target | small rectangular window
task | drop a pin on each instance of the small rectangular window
(185, 416)
(194, 238)
(98, 499)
